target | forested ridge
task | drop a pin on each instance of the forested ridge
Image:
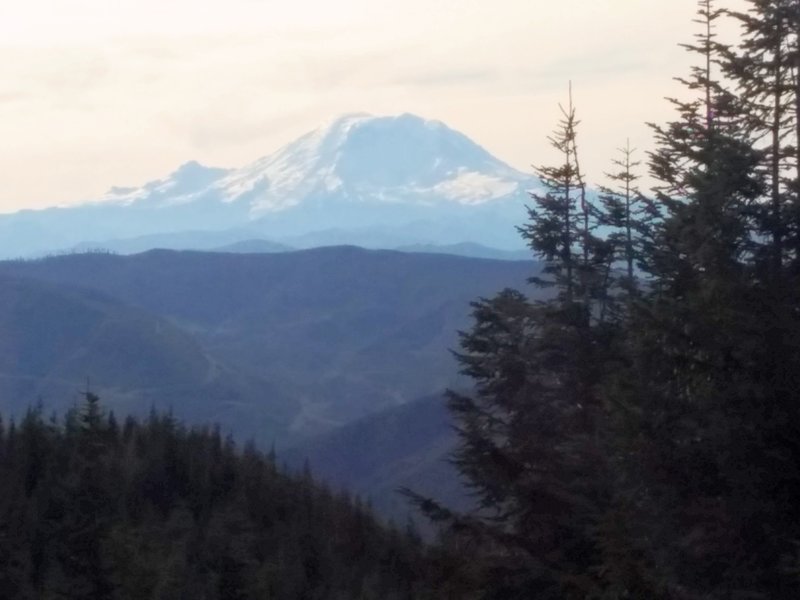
(95, 509)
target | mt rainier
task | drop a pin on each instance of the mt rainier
(360, 179)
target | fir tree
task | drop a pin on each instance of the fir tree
(85, 504)
(530, 434)
(765, 71)
(703, 390)
(627, 214)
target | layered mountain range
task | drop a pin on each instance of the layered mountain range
(372, 181)
(341, 353)
(271, 346)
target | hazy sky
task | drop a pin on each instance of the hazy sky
(95, 93)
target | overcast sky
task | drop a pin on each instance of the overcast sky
(95, 93)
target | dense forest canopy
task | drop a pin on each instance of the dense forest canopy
(94, 509)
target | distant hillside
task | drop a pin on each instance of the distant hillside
(254, 246)
(468, 249)
(58, 339)
(312, 339)
(211, 241)
(402, 447)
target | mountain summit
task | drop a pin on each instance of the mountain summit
(359, 179)
(359, 157)
(382, 159)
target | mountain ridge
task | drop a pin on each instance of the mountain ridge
(326, 335)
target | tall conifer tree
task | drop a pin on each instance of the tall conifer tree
(705, 392)
(530, 434)
(627, 214)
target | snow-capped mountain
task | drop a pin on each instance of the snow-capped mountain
(374, 181)
(384, 159)
(183, 186)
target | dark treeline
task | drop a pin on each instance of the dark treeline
(93, 509)
(637, 435)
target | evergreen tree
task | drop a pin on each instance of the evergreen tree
(561, 228)
(82, 510)
(700, 427)
(765, 71)
(530, 435)
(627, 215)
